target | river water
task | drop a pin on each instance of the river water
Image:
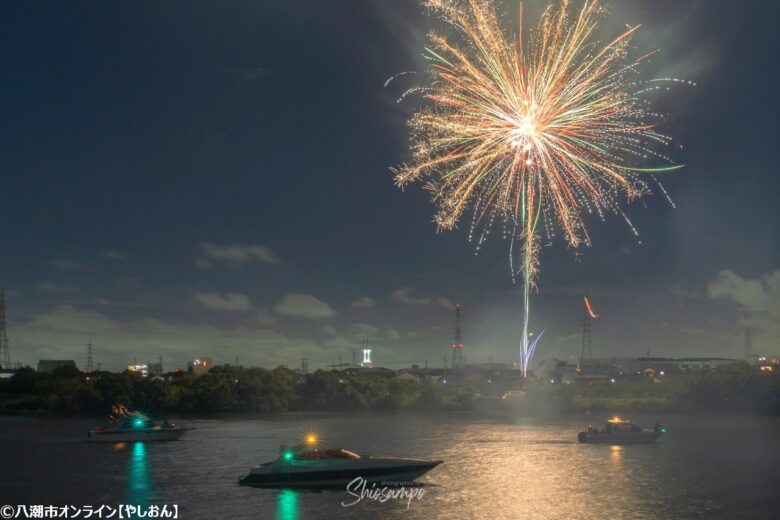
(495, 467)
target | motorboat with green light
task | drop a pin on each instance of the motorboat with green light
(308, 466)
(132, 426)
(620, 431)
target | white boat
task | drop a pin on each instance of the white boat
(157, 433)
(310, 467)
(620, 431)
(134, 426)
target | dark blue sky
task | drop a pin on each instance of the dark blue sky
(211, 178)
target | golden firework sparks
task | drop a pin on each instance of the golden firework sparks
(532, 133)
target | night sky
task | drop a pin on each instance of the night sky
(212, 179)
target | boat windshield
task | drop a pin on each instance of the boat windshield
(625, 427)
(327, 454)
(343, 454)
(135, 422)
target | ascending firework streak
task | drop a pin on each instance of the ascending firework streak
(589, 308)
(534, 134)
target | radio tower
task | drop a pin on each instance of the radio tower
(5, 353)
(89, 368)
(587, 316)
(457, 345)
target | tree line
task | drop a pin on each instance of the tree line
(223, 389)
(737, 388)
(734, 388)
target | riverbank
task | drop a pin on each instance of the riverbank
(729, 389)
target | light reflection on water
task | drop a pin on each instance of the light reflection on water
(616, 452)
(494, 468)
(139, 482)
(288, 505)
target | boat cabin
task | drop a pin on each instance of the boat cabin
(616, 424)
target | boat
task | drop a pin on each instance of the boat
(308, 466)
(620, 431)
(132, 426)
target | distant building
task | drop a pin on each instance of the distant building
(142, 370)
(201, 366)
(7, 373)
(650, 366)
(483, 372)
(768, 365)
(172, 376)
(425, 375)
(432, 378)
(407, 376)
(50, 365)
(370, 371)
(624, 368)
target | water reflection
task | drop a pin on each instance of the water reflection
(139, 483)
(287, 505)
(616, 454)
(494, 468)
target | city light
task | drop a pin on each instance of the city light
(139, 369)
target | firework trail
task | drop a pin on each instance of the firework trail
(531, 133)
(589, 308)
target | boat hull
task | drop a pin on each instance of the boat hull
(149, 435)
(395, 473)
(643, 437)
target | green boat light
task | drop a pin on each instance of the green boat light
(288, 455)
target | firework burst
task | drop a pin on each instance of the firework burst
(531, 133)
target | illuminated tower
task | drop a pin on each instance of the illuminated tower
(457, 345)
(366, 356)
(5, 353)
